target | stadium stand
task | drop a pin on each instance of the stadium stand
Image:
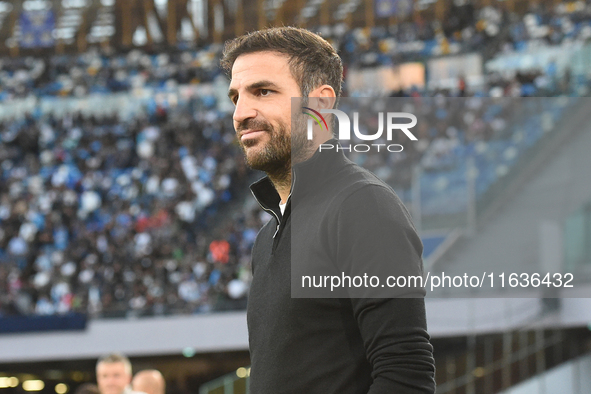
(105, 221)
(97, 218)
(104, 72)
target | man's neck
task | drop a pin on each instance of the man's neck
(282, 180)
(282, 184)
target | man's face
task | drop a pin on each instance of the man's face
(112, 378)
(261, 89)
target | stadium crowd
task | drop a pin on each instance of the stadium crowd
(110, 216)
(488, 30)
(100, 71)
(135, 216)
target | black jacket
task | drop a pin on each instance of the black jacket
(336, 213)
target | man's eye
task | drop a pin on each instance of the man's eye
(265, 92)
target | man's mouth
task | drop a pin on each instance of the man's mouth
(250, 134)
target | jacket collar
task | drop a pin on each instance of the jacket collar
(306, 176)
(266, 195)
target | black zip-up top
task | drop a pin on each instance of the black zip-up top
(335, 345)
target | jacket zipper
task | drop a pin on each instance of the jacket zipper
(288, 198)
(268, 211)
(273, 212)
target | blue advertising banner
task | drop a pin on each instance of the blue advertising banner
(37, 28)
(20, 324)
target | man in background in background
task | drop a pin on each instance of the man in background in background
(149, 381)
(113, 374)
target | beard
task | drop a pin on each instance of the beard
(281, 151)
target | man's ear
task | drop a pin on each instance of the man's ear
(325, 97)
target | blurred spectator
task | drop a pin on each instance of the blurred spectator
(113, 374)
(149, 381)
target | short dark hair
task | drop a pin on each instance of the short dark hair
(312, 60)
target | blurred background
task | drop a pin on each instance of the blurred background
(126, 222)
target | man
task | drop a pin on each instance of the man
(318, 345)
(113, 374)
(149, 381)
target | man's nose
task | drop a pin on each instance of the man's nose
(244, 110)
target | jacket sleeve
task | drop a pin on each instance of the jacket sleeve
(376, 237)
